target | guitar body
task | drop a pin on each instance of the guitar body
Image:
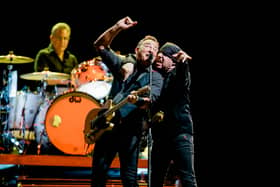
(95, 126)
(98, 119)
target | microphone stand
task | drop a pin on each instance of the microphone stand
(149, 136)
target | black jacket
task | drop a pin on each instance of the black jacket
(175, 103)
(130, 115)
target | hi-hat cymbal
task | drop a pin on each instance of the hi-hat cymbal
(13, 59)
(46, 75)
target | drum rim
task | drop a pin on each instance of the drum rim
(69, 93)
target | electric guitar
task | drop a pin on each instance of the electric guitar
(98, 119)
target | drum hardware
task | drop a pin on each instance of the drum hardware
(19, 127)
(4, 110)
(11, 144)
(10, 77)
(39, 126)
(10, 60)
(11, 87)
(4, 98)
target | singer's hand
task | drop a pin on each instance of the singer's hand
(127, 69)
(126, 23)
(181, 56)
(132, 98)
(158, 117)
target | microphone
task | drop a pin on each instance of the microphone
(150, 58)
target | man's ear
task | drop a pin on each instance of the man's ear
(136, 50)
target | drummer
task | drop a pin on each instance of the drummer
(56, 57)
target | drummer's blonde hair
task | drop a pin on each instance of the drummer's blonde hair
(59, 26)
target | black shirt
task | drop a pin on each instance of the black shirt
(47, 58)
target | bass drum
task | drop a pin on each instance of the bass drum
(64, 123)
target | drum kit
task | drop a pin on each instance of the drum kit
(37, 122)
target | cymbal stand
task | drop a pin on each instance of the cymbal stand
(11, 76)
(4, 93)
(10, 142)
(43, 90)
(22, 128)
(9, 82)
(149, 136)
(3, 105)
(6, 137)
(8, 91)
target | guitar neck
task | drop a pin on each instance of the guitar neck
(115, 107)
(124, 101)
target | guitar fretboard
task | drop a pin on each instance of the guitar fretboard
(114, 108)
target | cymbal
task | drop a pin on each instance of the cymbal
(13, 59)
(46, 75)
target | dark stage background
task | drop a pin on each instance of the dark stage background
(25, 30)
